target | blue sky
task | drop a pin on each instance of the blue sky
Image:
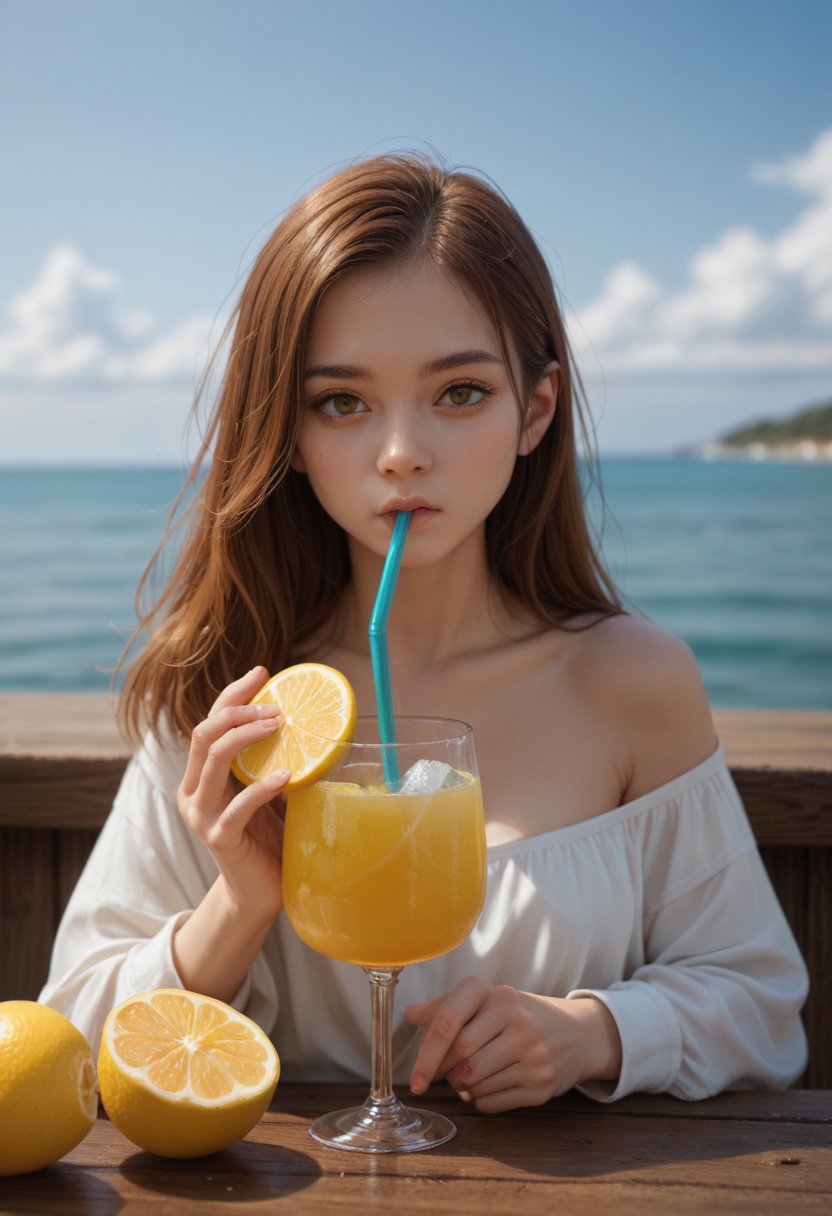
(673, 157)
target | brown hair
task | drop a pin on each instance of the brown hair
(262, 563)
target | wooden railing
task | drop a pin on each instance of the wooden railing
(61, 761)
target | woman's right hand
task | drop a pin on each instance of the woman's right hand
(243, 830)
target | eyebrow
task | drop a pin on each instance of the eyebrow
(348, 371)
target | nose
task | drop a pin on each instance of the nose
(403, 450)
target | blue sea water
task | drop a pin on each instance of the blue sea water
(735, 557)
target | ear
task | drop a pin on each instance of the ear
(541, 411)
(297, 461)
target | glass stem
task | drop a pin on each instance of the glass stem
(382, 990)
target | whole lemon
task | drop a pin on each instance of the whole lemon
(48, 1097)
(182, 1074)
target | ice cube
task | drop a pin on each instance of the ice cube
(429, 776)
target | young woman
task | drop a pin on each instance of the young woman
(398, 345)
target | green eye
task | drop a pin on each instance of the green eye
(344, 403)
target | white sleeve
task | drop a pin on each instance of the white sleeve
(717, 1003)
(145, 875)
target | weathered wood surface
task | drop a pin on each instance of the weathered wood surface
(761, 1154)
(782, 764)
(61, 760)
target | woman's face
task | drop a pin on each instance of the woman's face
(409, 407)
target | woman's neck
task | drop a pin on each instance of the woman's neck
(440, 613)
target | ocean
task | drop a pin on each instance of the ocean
(733, 556)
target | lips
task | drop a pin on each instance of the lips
(406, 504)
(419, 509)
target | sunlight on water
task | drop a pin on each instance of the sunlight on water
(736, 558)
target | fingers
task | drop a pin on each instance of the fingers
(241, 726)
(490, 1061)
(454, 1027)
(493, 1044)
(216, 741)
(422, 1014)
(509, 1099)
(226, 833)
(238, 693)
(213, 790)
(243, 689)
(503, 1064)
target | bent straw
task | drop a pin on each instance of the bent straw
(378, 648)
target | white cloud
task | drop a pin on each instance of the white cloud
(807, 172)
(751, 303)
(623, 304)
(70, 328)
(754, 316)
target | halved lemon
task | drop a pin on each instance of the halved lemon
(318, 722)
(182, 1074)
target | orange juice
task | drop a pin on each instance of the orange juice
(384, 879)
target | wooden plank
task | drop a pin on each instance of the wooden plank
(58, 725)
(59, 793)
(788, 870)
(772, 1106)
(38, 872)
(82, 726)
(759, 1154)
(27, 911)
(776, 739)
(257, 1181)
(787, 806)
(818, 954)
(61, 760)
(308, 1099)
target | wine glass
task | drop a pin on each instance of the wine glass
(384, 865)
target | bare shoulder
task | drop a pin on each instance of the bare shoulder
(631, 655)
(646, 684)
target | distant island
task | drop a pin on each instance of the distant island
(806, 435)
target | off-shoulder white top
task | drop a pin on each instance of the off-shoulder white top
(661, 908)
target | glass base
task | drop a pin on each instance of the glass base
(382, 1127)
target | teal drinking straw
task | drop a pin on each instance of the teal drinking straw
(378, 648)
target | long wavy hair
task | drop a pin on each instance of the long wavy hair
(262, 564)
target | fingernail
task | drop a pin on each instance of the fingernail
(418, 1084)
(269, 709)
(279, 777)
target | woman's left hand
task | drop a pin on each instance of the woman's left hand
(501, 1048)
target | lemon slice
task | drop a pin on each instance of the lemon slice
(318, 721)
(182, 1074)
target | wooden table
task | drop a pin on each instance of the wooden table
(764, 1153)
